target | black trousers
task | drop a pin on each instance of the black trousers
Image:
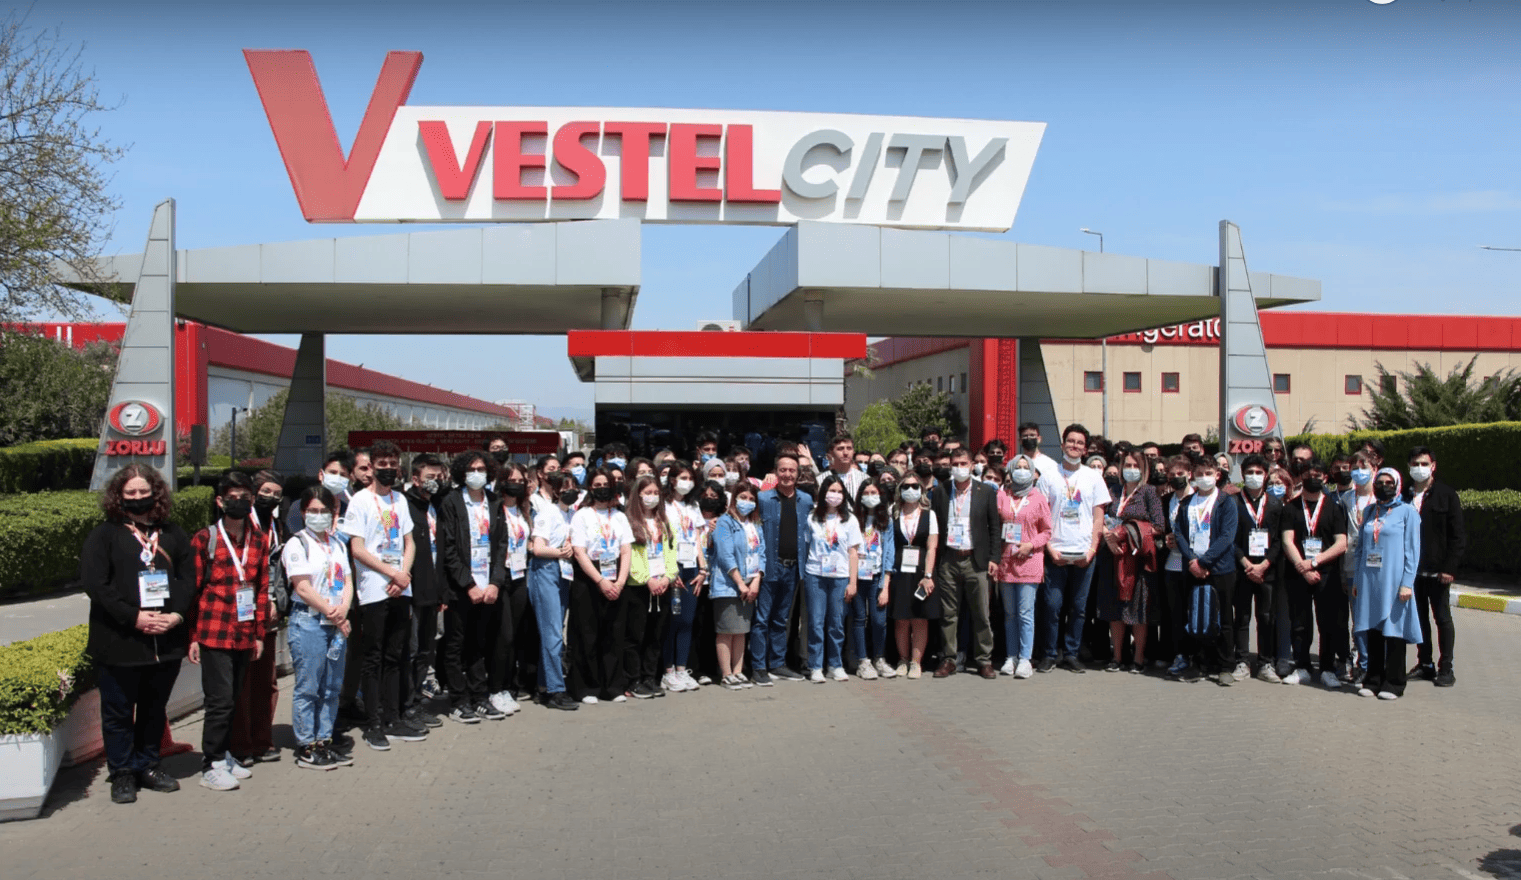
(504, 621)
(1249, 592)
(1217, 654)
(387, 626)
(647, 620)
(1432, 599)
(1386, 664)
(597, 635)
(132, 713)
(463, 651)
(1329, 606)
(424, 654)
(222, 675)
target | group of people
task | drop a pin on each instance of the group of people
(471, 586)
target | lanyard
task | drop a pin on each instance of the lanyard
(481, 517)
(963, 503)
(1125, 500)
(240, 561)
(1312, 521)
(1378, 521)
(332, 565)
(605, 525)
(1261, 508)
(1072, 491)
(1025, 499)
(1202, 518)
(387, 514)
(150, 546)
(909, 523)
(518, 525)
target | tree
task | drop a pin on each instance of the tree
(259, 430)
(878, 430)
(54, 205)
(50, 390)
(921, 408)
(1422, 399)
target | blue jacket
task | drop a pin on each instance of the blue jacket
(889, 551)
(771, 521)
(1221, 557)
(730, 552)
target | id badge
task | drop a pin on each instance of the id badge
(686, 554)
(391, 559)
(1071, 511)
(867, 568)
(1374, 559)
(654, 556)
(960, 539)
(1013, 533)
(607, 563)
(566, 572)
(1257, 542)
(152, 589)
(517, 562)
(245, 601)
(910, 561)
(480, 560)
(752, 563)
(1312, 548)
(1200, 543)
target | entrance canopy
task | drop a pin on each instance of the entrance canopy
(894, 282)
(539, 278)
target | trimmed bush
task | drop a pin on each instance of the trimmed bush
(1468, 456)
(42, 534)
(41, 678)
(1493, 522)
(47, 465)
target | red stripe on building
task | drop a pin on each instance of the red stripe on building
(708, 343)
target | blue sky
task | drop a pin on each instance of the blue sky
(1370, 146)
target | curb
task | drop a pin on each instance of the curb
(1485, 602)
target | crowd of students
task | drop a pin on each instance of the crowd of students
(582, 580)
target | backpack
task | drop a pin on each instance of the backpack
(1203, 612)
(279, 585)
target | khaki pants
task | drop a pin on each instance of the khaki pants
(964, 588)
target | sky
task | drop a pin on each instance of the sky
(1372, 146)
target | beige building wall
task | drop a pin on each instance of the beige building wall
(945, 371)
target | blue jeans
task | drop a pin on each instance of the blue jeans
(319, 680)
(826, 611)
(678, 636)
(773, 613)
(865, 605)
(1018, 618)
(549, 594)
(1065, 589)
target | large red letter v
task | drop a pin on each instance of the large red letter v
(327, 185)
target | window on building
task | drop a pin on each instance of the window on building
(939, 383)
(1131, 382)
(963, 383)
(1093, 380)
(1389, 384)
(1280, 383)
(1170, 383)
(951, 382)
(1353, 384)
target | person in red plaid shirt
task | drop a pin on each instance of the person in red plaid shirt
(228, 621)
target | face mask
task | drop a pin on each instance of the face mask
(515, 489)
(1420, 472)
(943, 474)
(579, 472)
(1071, 460)
(1361, 476)
(266, 505)
(911, 495)
(650, 502)
(137, 505)
(430, 487)
(1158, 478)
(1204, 484)
(1383, 491)
(1278, 490)
(977, 468)
(1179, 483)
(730, 478)
(870, 501)
(711, 506)
(707, 457)
(386, 476)
(1343, 478)
(834, 499)
(569, 496)
(1253, 481)
(745, 506)
(683, 486)
(861, 466)
(1131, 475)
(236, 508)
(923, 470)
(618, 463)
(1029, 444)
(1021, 477)
(602, 494)
(1314, 484)
(476, 479)
(500, 455)
(335, 483)
(961, 474)
(1114, 485)
(319, 522)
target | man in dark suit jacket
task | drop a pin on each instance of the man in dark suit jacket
(971, 542)
(1443, 540)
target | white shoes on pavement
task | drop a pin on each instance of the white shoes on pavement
(1024, 669)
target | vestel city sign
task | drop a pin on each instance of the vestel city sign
(477, 164)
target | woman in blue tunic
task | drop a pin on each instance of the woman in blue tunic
(1388, 554)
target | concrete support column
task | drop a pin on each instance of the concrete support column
(303, 431)
(1035, 401)
(813, 311)
(1246, 382)
(615, 308)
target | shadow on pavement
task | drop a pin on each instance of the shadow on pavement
(1504, 863)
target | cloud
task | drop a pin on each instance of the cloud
(1471, 202)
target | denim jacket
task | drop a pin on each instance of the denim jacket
(771, 521)
(889, 551)
(729, 541)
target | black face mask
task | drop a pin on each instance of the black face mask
(236, 508)
(1343, 479)
(1178, 483)
(569, 496)
(808, 488)
(875, 469)
(1029, 444)
(138, 506)
(602, 494)
(943, 474)
(386, 476)
(711, 506)
(1115, 487)
(924, 470)
(515, 489)
(266, 505)
(1314, 484)
(500, 455)
(1157, 478)
(1383, 491)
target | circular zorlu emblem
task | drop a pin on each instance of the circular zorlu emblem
(135, 418)
(1255, 420)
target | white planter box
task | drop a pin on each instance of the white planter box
(28, 766)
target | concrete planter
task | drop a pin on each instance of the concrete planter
(79, 734)
(28, 765)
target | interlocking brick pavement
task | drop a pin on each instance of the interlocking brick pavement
(1061, 777)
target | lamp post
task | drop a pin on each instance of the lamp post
(1103, 358)
(232, 444)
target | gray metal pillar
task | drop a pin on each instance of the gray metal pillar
(813, 311)
(1248, 408)
(303, 431)
(140, 419)
(1035, 401)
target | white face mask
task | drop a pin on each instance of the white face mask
(730, 478)
(1254, 481)
(911, 495)
(1420, 472)
(1021, 477)
(977, 468)
(870, 501)
(335, 483)
(1131, 475)
(1204, 484)
(683, 486)
(961, 474)
(319, 522)
(650, 502)
(476, 479)
(834, 499)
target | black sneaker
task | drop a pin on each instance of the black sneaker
(654, 685)
(270, 756)
(785, 674)
(1358, 674)
(1046, 665)
(762, 678)
(1192, 674)
(1112, 666)
(314, 757)
(245, 761)
(641, 691)
(124, 788)
(406, 731)
(464, 715)
(485, 710)
(1423, 672)
(155, 779)
(339, 759)
(562, 701)
(375, 738)
(417, 716)
(342, 745)
(1071, 664)
(1445, 679)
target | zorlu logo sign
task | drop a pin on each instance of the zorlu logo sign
(135, 418)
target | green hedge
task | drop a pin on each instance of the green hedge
(46, 465)
(1468, 456)
(1493, 522)
(41, 534)
(41, 678)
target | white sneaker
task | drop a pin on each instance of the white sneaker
(884, 670)
(672, 682)
(1297, 676)
(902, 670)
(688, 680)
(1024, 669)
(703, 680)
(1008, 666)
(816, 676)
(620, 699)
(731, 682)
(744, 682)
(1242, 671)
(589, 700)
(838, 674)
(1365, 692)
(865, 671)
(237, 770)
(1388, 695)
(1329, 679)
(218, 779)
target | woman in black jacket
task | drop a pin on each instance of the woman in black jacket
(138, 572)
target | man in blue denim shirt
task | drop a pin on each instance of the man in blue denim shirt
(784, 522)
(1206, 531)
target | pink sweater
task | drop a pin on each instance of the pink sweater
(1034, 518)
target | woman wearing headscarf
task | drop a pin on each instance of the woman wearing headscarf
(1026, 517)
(1388, 557)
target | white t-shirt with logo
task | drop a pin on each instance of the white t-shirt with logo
(326, 562)
(602, 534)
(829, 547)
(383, 524)
(1073, 495)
